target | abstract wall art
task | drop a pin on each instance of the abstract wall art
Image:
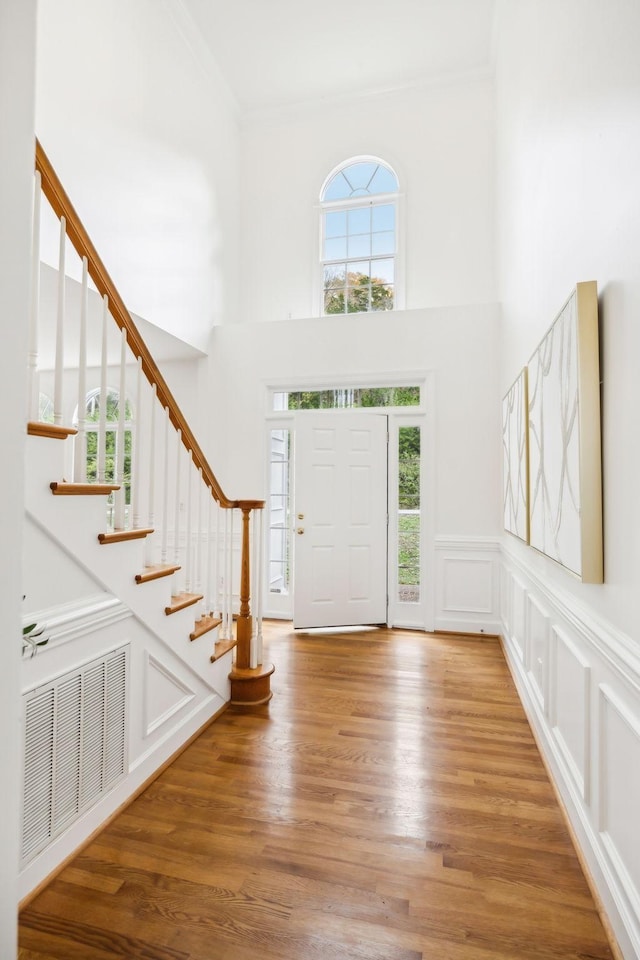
(515, 450)
(565, 480)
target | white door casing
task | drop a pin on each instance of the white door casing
(340, 539)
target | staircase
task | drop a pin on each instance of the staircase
(151, 522)
(73, 515)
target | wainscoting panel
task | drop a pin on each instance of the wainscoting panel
(570, 712)
(518, 616)
(537, 657)
(620, 790)
(164, 694)
(467, 585)
(579, 681)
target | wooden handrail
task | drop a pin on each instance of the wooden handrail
(62, 207)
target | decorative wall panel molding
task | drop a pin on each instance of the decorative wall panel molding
(467, 588)
(518, 616)
(165, 694)
(515, 450)
(619, 794)
(537, 658)
(565, 486)
(68, 621)
(570, 707)
(579, 683)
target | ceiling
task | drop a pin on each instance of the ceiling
(276, 53)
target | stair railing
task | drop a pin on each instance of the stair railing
(168, 491)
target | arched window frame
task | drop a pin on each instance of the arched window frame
(354, 203)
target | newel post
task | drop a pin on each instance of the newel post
(244, 624)
(249, 685)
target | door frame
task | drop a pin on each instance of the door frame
(418, 616)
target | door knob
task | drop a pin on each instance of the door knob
(300, 531)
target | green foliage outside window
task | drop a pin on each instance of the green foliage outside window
(111, 442)
(360, 295)
(353, 397)
(409, 513)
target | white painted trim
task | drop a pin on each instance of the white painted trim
(581, 778)
(152, 725)
(68, 621)
(460, 608)
(620, 651)
(459, 617)
(608, 697)
(542, 693)
(485, 544)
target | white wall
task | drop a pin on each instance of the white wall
(457, 348)
(440, 142)
(17, 67)
(144, 138)
(568, 155)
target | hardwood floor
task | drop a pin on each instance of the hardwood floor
(388, 804)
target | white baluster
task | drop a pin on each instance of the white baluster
(59, 362)
(224, 635)
(253, 572)
(165, 492)
(198, 543)
(176, 511)
(218, 566)
(189, 527)
(33, 393)
(260, 586)
(80, 446)
(102, 423)
(152, 474)
(230, 577)
(136, 465)
(209, 597)
(122, 404)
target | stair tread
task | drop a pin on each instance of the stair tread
(182, 600)
(117, 536)
(221, 647)
(38, 428)
(83, 489)
(204, 625)
(156, 571)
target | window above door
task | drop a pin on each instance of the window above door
(359, 209)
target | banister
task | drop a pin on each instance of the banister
(62, 207)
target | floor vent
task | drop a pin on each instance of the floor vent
(75, 746)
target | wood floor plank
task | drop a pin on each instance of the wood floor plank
(388, 804)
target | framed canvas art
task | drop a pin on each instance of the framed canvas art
(515, 459)
(565, 479)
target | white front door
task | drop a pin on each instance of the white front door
(340, 520)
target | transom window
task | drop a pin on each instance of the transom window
(359, 207)
(352, 398)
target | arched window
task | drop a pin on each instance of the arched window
(359, 213)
